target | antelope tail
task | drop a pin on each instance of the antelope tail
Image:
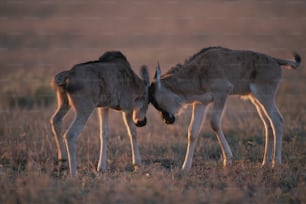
(60, 79)
(290, 64)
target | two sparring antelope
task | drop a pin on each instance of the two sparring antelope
(210, 76)
(107, 83)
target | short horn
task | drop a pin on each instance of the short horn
(157, 74)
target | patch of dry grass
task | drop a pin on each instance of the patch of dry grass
(28, 173)
(41, 38)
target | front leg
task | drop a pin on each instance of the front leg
(193, 133)
(131, 129)
(104, 135)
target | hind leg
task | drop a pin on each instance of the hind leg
(56, 124)
(265, 96)
(71, 137)
(82, 109)
(269, 143)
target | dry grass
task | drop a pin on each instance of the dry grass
(28, 173)
(41, 38)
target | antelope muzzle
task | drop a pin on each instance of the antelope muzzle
(141, 123)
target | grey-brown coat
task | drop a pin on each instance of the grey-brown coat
(108, 83)
(212, 75)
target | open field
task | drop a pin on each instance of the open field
(40, 38)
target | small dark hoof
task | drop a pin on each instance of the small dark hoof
(60, 168)
(61, 164)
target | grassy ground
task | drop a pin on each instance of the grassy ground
(43, 37)
(28, 173)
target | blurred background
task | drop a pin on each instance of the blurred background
(48, 36)
(40, 38)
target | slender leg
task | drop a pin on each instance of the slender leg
(267, 159)
(265, 98)
(219, 103)
(72, 135)
(193, 133)
(128, 121)
(56, 124)
(104, 134)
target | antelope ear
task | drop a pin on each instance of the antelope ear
(157, 75)
(145, 75)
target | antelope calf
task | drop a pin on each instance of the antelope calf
(210, 76)
(108, 83)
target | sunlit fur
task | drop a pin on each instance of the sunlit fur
(108, 83)
(213, 74)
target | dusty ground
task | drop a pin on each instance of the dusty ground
(40, 38)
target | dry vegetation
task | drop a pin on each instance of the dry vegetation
(39, 38)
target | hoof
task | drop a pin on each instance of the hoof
(227, 163)
(61, 164)
(137, 168)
